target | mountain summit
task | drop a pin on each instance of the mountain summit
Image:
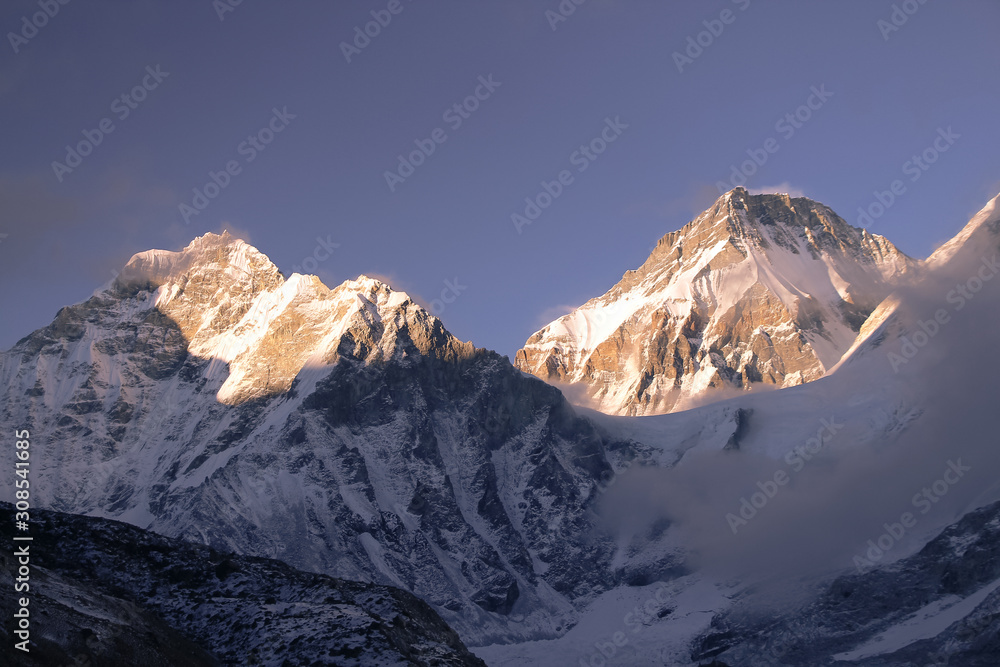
(201, 395)
(225, 301)
(758, 289)
(343, 430)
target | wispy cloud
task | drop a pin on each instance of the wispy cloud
(553, 313)
(780, 188)
(847, 493)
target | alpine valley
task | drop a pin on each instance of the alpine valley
(761, 404)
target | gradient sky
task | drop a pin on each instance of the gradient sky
(323, 175)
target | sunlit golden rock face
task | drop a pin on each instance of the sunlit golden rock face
(759, 289)
(232, 306)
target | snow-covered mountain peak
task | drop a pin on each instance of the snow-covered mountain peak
(758, 288)
(241, 326)
(202, 249)
(377, 292)
(970, 255)
(342, 429)
(987, 219)
(211, 257)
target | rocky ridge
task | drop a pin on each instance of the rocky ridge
(106, 593)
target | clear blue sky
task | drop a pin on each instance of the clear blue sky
(324, 173)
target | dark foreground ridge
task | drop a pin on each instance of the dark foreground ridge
(107, 593)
